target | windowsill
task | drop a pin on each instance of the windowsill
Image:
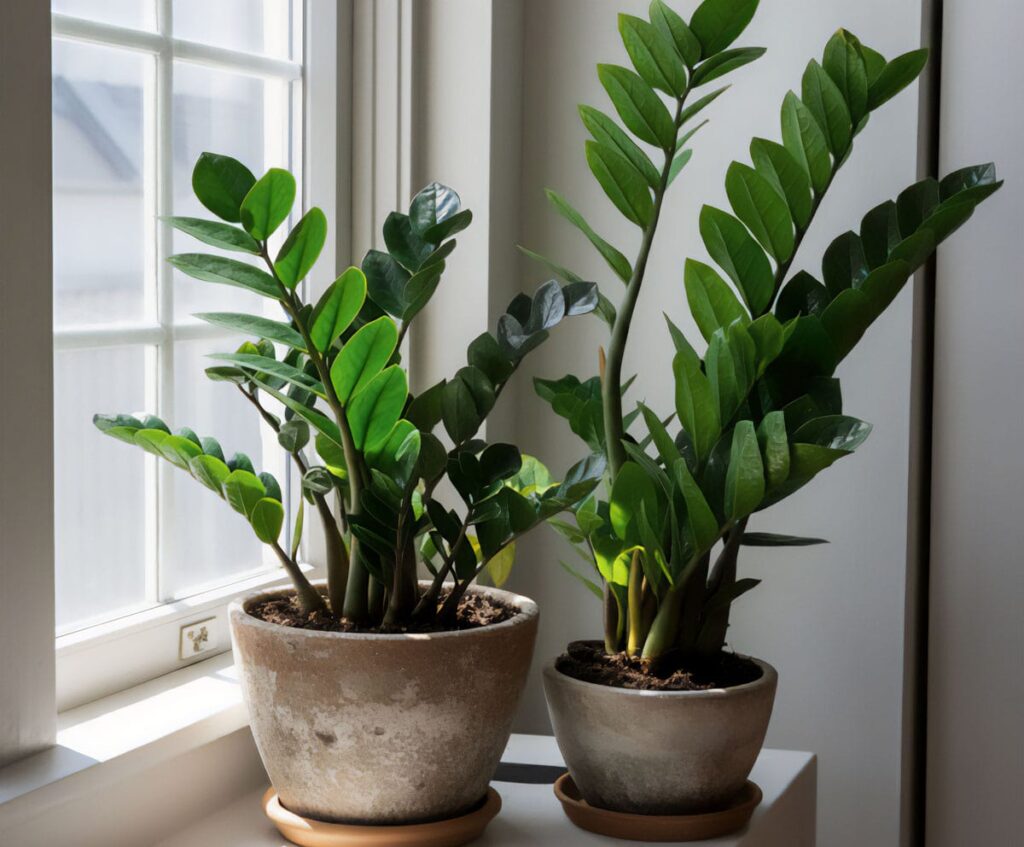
(126, 733)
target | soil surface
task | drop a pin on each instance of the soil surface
(587, 661)
(475, 610)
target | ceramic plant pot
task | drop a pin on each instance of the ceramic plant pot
(659, 752)
(382, 729)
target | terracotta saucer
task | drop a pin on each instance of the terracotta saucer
(453, 832)
(657, 827)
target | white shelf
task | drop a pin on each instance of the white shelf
(531, 815)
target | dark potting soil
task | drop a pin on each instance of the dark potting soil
(475, 610)
(587, 661)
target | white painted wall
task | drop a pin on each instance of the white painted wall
(976, 643)
(830, 618)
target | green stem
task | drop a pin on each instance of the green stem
(308, 597)
(612, 629)
(635, 605)
(712, 634)
(665, 627)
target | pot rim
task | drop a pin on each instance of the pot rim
(769, 677)
(238, 610)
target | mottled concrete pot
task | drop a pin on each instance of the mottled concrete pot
(659, 752)
(382, 729)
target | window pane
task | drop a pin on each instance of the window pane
(209, 541)
(137, 14)
(100, 487)
(100, 220)
(236, 115)
(254, 26)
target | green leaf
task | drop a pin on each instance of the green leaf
(337, 308)
(844, 264)
(774, 444)
(227, 272)
(225, 236)
(485, 353)
(256, 326)
(385, 282)
(738, 254)
(825, 101)
(449, 226)
(768, 336)
(221, 184)
(675, 29)
(964, 179)
(712, 302)
(643, 113)
(895, 76)
(653, 55)
(772, 539)
(807, 460)
(915, 203)
(425, 408)
(678, 163)
(499, 566)
(273, 367)
(607, 133)
(465, 401)
(701, 523)
(267, 518)
(590, 585)
(376, 407)
(845, 65)
(420, 288)
(632, 491)
(243, 490)
(663, 443)
(847, 318)
(616, 261)
(756, 202)
(620, 181)
(775, 163)
(805, 141)
(880, 233)
(403, 244)
(210, 471)
(731, 364)
(554, 267)
(271, 484)
(695, 405)
(302, 248)
(316, 420)
(802, 295)
(300, 517)
(268, 203)
(723, 63)
(718, 23)
(744, 480)
(431, 206)
(698, 106)
(363, 357)
(293, 435)
(839, 432)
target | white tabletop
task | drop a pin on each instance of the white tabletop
(530, 814)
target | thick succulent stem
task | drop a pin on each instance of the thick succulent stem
(308, 597)
(712, 634)
(612, 627)
(635, 636)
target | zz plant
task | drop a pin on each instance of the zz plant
(759, 413)
(370, 455)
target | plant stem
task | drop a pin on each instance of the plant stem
(612, 395)
(308, 597)
(713, 630)
(635, 603)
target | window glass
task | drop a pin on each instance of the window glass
(254, 27)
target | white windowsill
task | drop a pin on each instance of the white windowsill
(126, 733)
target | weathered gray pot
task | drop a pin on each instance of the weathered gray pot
(659, 752)
(383, 729)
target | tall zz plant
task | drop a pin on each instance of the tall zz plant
(367, 452)
(759, 414)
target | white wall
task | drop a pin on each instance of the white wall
(830, 618)
(976, 644)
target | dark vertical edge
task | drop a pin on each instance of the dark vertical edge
(915, 664)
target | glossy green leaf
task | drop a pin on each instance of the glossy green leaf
(449, 226)
(775, 163)
(802, 295)
(744, 480)
(268, 203)
(616, 261)
(846, 319)
(663, 443)
(967, 178)
(210, 471)
(731, 364)
(486, 354)
(723, 63)
(915, 203)
(632, 490)
(884, 283)
(772, 539)
(221, 184)
(431, 206)
(653, 55)
(676, 30)
(256, 326)
(267, 518)
(408, 248)
(718, 23)
(738, 254)
(768, 336)
(243, 490)
(420, 288)
(695, 405)
(302, 248)
(844, 64)
(774, 444)
(643, 113)
(607, 133)
(697, 106)
(465, 401)
(376, 407)
(226, 271)
(678, 163)
(293, 435)
(337, 308)
(273, 367)
(363, 357)
(220, 235)
(712, 302)
(844, 264)
(825, 101)
(758, 205)
(895, 76)
(838, 432)
(879, 233)
(315, 419)
(806, 142)
(385, 282)
(624, 186)
(701, 523)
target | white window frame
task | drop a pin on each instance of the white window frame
(98, 660)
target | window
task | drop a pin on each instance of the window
(140, 89)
